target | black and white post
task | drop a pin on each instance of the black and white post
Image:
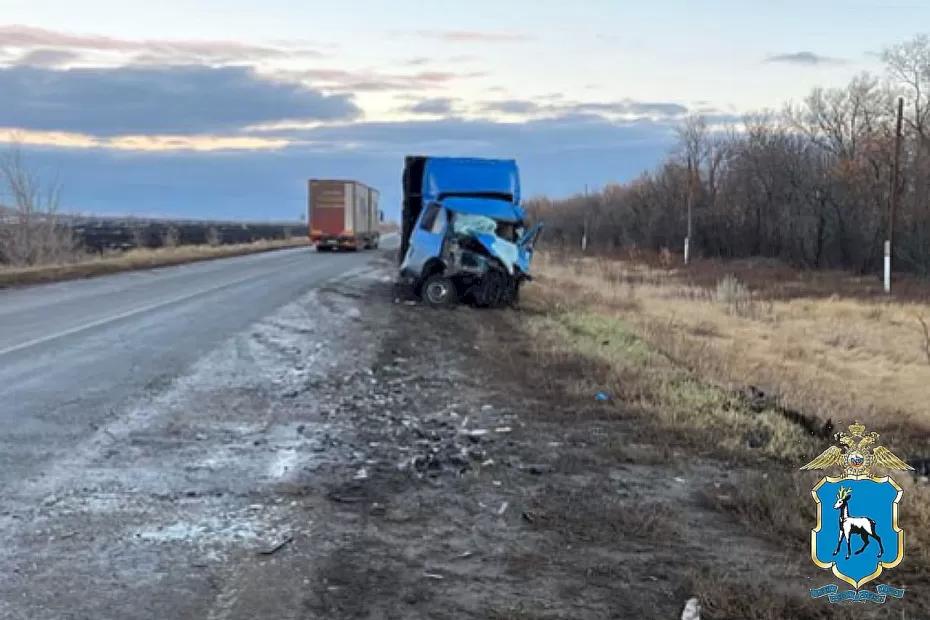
(894, 196)
(690, 205)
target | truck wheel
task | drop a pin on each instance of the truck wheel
(438, 291)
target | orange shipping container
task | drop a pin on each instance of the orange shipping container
(343, 215)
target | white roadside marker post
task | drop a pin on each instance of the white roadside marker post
(888, 266)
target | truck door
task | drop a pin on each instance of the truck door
(426, 240)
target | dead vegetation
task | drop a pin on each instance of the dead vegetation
(775, 502)
(725, 596)
(801, 337)
(30, 231)
(683, 359)
(589, 516)
(925, 332)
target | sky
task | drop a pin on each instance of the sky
(224, 109)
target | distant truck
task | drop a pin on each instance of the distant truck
(463, 231)
(342, 215)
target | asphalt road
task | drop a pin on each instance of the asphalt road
(73, 353)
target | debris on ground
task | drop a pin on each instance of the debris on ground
(692, 610)
(274, 549)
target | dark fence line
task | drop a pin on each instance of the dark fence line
(103, 234)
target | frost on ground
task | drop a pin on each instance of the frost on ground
(355, 457)
(186, 477)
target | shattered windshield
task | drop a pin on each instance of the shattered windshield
(468, 224)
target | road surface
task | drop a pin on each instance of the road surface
(72, 353)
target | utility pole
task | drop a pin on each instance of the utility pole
(690, 205)
(894, 197)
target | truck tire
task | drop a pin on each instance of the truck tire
(438, 291)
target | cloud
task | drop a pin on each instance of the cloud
(803, 58)
(158, 100)
(556, 107)
(146, 50)
(556, 156)
(473, 36)
(346, 81)
(511, 106)
(140, 143)
(46, 57)
(438, 105)
(486, 137)
(631, 107)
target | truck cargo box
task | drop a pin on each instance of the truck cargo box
(342, 214)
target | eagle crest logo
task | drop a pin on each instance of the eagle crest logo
(857, 535)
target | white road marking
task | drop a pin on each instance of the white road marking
(124, 315)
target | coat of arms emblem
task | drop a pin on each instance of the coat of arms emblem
(857, 534)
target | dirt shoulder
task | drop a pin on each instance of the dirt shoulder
(358, 456)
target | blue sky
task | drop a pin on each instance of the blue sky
(224, 109)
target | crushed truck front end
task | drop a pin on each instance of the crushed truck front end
(469, 240)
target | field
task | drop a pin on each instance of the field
(827, 345)
(752, 367)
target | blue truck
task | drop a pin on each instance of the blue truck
(463, 232)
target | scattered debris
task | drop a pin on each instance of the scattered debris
(537, 469)
(272, 550)
(602, 396)
(503, 508)
(435, 576)
(692, 610)
(528, 516)
(345, 499)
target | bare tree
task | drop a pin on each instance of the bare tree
(31, 232)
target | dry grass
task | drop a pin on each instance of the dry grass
(776, 503)
(674, 352)
(669, 396)
(136, 259)
(729, 597)
(834, 357)
(588, 515)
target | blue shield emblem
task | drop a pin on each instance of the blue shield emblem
(857, 533)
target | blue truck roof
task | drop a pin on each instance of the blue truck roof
(495, 209)
(468, 175)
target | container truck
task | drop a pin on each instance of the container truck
(463, 231)
(342, 215)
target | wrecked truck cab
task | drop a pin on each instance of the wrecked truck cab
(476, 250)
(463, 232)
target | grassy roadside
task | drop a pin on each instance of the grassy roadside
(587, 316)
(137, 259)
